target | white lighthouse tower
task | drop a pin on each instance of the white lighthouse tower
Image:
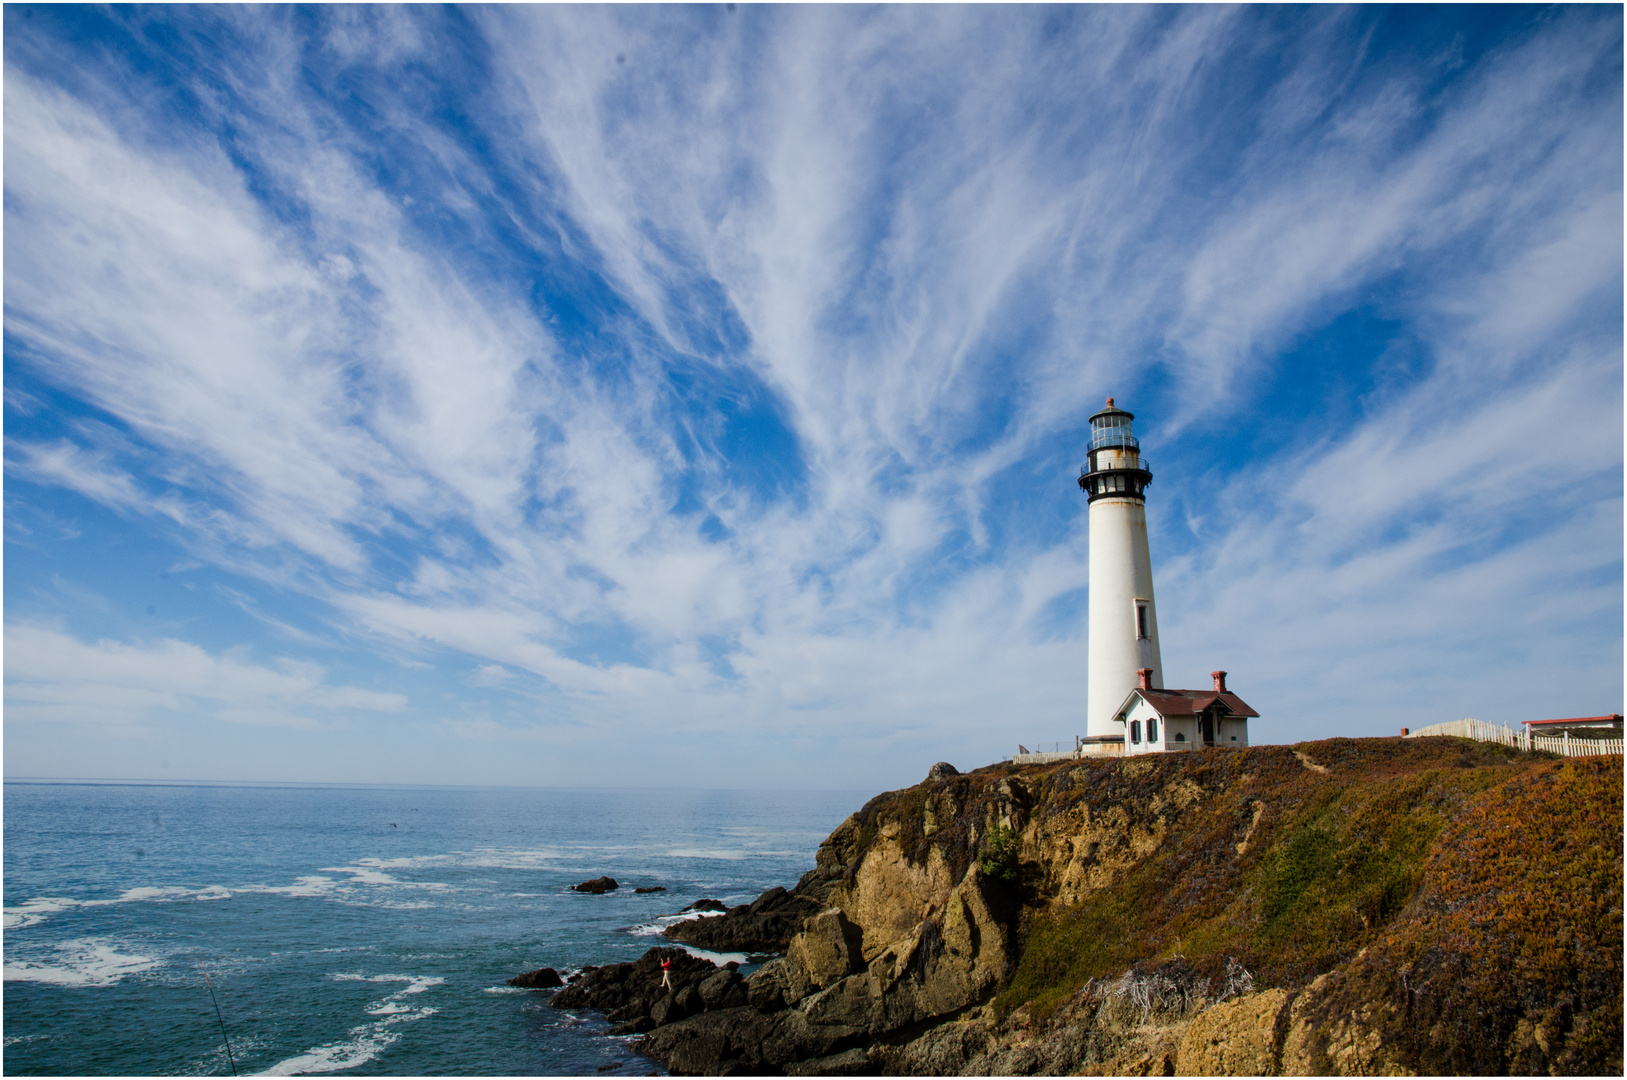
(1123, 615)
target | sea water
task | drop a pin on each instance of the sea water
(365, 930)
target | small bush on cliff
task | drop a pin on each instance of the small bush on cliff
(998, 858)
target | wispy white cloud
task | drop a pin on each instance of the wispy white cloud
(52, 676)
(921, 243)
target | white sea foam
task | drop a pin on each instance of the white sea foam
(13, 1040)
(389, 905)
(366, 1041)
(416, 984)
(731, 854)
(371, 875)
(718, 958)
(478, 858)
(144, 892)
(37, 910)
(311, 885)
(81, 962)
(657, 926)
(32, 912)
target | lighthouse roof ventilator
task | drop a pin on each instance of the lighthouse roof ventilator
(1128, 709)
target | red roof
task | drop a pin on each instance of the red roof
(1612, 718)
(1192, 702)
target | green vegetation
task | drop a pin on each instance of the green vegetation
(1510, 959)
(999, 856)
(1331, 868)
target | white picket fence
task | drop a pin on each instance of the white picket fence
(1045, 752)
(1468, 728)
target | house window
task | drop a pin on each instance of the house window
(1152, 730)
(1180, 736)
(1141, 621)
(1135, 731)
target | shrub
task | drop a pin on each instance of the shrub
(997, 856)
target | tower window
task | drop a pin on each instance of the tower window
(1141, 621)
(1135, 731)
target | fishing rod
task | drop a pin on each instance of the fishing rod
(222, 1019)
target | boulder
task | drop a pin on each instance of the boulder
(941, 770)
(778, 980)
(773, 898)
(851, 1002)
(540, 979)
(706, 905)
(650, 888)
(598, 886)
(829, 949)
(722, 990)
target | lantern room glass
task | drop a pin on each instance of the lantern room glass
(1112, 430)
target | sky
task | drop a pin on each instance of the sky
(694, 396)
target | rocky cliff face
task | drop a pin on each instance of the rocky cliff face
(1351, 906)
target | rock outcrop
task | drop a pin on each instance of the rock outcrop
(598, 886)
(541, 979)
(639, 995)
(766, 925)
(706, 905)
(1427, 906)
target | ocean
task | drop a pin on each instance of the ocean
(365, 930)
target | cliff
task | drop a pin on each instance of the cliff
(1341, 907)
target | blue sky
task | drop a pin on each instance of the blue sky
(693, 396)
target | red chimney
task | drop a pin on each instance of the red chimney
(1220, 681)
(1145, 677)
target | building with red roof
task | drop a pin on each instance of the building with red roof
(1157, 720)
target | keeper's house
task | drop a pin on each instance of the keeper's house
(1158, 721)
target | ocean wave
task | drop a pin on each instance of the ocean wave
(366, 1041)
(478, 859)
(14, 1040)
(310, 885)
(362, 873)
(35, 911)
(81, 962)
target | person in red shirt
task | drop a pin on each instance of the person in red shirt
(666, 974)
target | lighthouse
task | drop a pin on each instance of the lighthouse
(1123, 614)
